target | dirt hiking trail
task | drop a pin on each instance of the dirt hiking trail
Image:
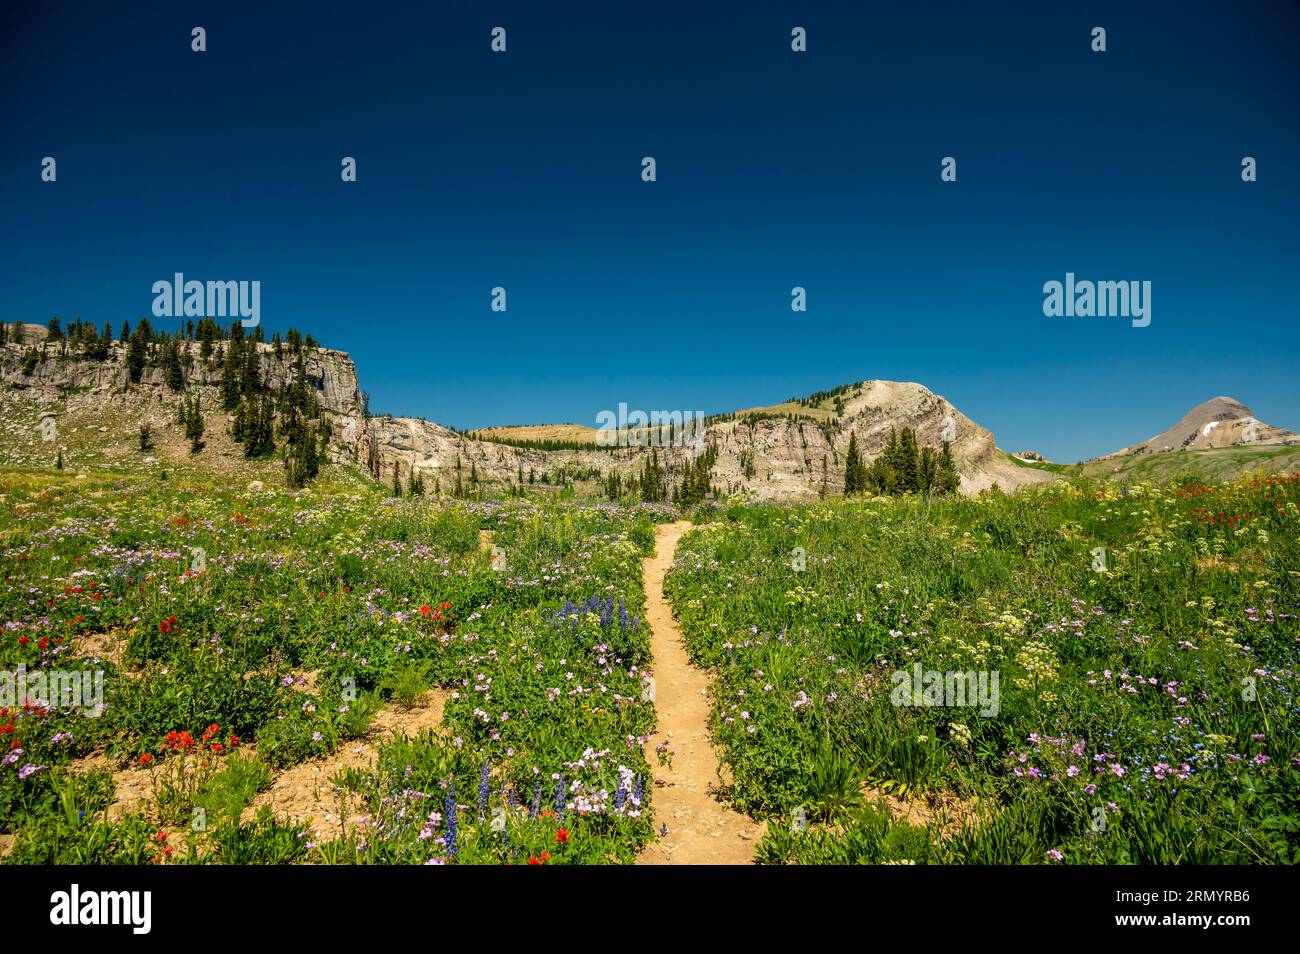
(701, 830)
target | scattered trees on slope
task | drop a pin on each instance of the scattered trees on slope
(901, 468)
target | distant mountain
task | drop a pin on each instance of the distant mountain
(1219, 422)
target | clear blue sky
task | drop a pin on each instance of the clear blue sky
(775, 169)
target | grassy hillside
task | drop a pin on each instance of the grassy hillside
(1034, 464)
(1211, 465)
(105, 436)
(538, 432)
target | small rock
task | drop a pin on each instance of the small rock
(255, 485)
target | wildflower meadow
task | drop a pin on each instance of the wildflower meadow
(1078, 674)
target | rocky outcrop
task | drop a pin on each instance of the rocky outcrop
(772, 458)
(331, 374)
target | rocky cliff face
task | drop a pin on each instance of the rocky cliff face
(331, 374)
(774, 458)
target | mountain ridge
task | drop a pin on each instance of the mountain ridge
(791, 450)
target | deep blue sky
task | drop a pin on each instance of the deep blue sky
(775, 169)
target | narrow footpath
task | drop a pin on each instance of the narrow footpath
(701, 830)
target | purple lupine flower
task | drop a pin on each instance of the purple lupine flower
(450, 836)
(484, 791)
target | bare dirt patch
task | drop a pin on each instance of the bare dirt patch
(305, 792)
(133, 787)
(110, 646)
(944, 810)
(302, 792)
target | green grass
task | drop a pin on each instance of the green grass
(1146, 709)
(1036, 464)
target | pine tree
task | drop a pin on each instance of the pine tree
(239, 431)
(653, 483)
(928, 471)
(310, 460)
(907, 462)
(146, 438)
(889, 465)
(301, 462)
(947, 480)
(251, 376)
(194, 426)
(853, 468)
(229, 387)
(259, 428)
(136, 353)
(397, 479)
(172, 373)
